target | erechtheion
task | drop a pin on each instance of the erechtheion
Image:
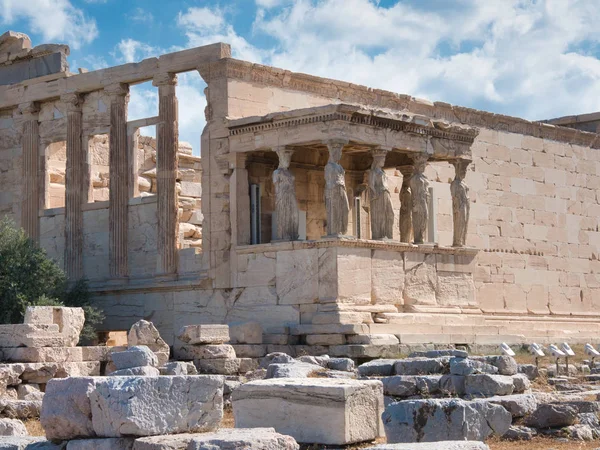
(321, 209)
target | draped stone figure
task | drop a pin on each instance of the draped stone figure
(460, 203)
(382, 212)
(336, 198)
(419, 186)
(405, 221)
(286, 205)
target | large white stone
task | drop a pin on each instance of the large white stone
(12, 427)
(209, 351)
(226, 439)
(70, 321)
(66, 410)
(19, 442)
(147, 406)
(30, 335)
(204, 334)
(145, 333)
(137, 356)
(246, 333)
(442, 445)
(312, 410)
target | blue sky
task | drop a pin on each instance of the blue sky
(529, 58)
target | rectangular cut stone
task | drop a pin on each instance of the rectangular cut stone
(42, 354)
(250, 351)
(149, 406)
(297, 273)
(188, 352)
(312, 410)
(204, 334)
(69, 320)
(325, 339)
(30, 335)
(330, 329)
(246, 333)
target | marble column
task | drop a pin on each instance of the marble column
(405, 219)
(167, 140)
(461, 206)
(239, 189)
(336, 198)
(380, 200)
(419, 187)
(30, 204)
(286, 203)
(119, 180)
(75, 190)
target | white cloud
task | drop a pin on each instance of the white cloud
(52, 19)
(130, 50)
(141, 15)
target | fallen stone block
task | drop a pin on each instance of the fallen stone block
(364, 351)
(101, 444)
(506, 364)
(518, 405)
(179, 368)
(218, 366)
(29, 392)
(128, 406)
(444, 445)
(145, 333)
(442, 420)
(429, 384)
(204, 334)
(70, 321)
(465, 366)
(82, 369)
(519, 433)
(30, 335)
(484, 385)
(422, 366)
(275, 358)
(520, 383)
(42, 354)
(246, 333)
(292, 370)
(400, 385)
(452, 385)
(439, 353)
(66, 411)
(145, 371)
(550, 415)
(231, 439)
(315, 360)
(312, 410)
(343, 364)
(136, 356)
(12, 427)
(209, 351)
(20, 409)
(530, 370)
(19, 442)
(377, 368)
(579, 432)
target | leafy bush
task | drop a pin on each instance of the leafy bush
(29, 278)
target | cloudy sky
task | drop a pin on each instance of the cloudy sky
(535, 59)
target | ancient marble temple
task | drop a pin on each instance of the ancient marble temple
(326, 210)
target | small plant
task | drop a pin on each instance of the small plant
(29, 278)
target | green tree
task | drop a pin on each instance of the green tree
(29, 278)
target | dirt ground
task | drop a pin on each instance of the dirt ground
(541, 444)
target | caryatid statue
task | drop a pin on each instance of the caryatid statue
(460, 203)
(382, 211)
(286, 205)
(405, 219)
(336, 198)
(419, 187)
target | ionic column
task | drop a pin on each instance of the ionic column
(419, 186)
(118, 181)
(31, 180)
(167, 140)
(74, 178)
(336, 198)
(286, 203)
(405, 221)
(461, 205)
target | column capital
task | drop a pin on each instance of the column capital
(420, 161)
(336, 142)
(380, 151)
(284, 154)
(117, 90)
(164, 79)
(73, 101)
(29, 110)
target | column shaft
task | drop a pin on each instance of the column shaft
(74, 177)
(31, 181)
(167, 140)
(119, 181)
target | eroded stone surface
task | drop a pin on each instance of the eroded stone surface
(204, 334)
(312, 410)
(136, 356)
(101, 444)
(12, 427)
(145, 333)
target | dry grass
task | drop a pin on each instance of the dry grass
(337, 447)
(228, 420)
(540, 443)
(524, 357)
(34, 427)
